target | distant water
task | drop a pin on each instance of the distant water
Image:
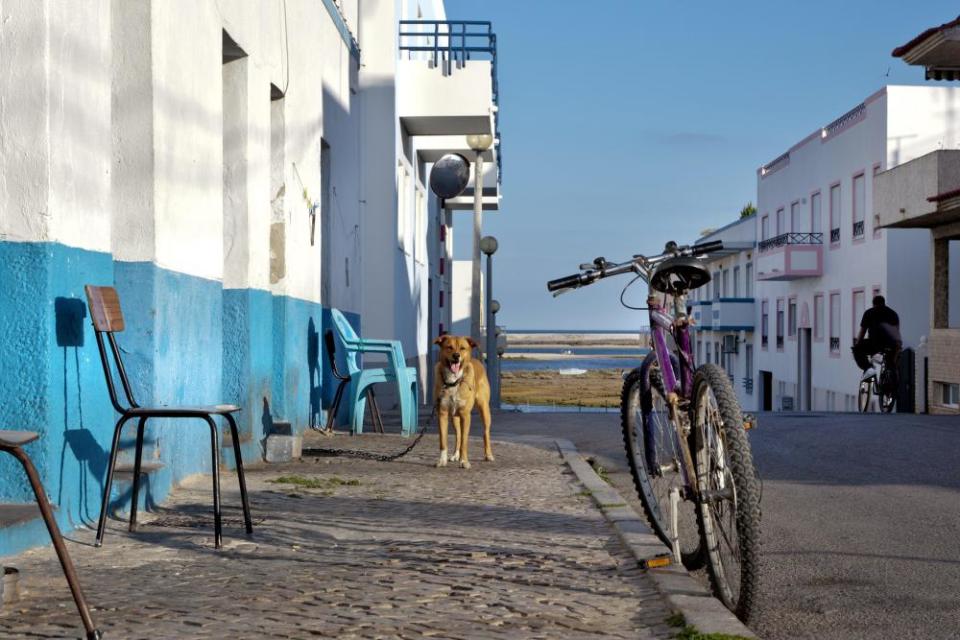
(597, 361)
(577, 331)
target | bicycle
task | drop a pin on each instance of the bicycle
(684, 433)
(880, 380)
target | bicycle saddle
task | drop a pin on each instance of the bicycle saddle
(677, 275)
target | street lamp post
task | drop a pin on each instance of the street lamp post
(479, 143)
(498, 352)
(488, 244)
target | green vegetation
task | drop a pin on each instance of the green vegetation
(595, 388)
(599, 470)
(690, 632)
(748, 210)
(315, 483)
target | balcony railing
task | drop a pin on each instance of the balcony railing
(453, 43)
(748, 385)
(784, 239)
(764, 341)
(858, 229)
(779, 342)
(835, 235)
(834, 344)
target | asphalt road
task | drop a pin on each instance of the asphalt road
(861, 518)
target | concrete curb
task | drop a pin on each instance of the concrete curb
(683, 593)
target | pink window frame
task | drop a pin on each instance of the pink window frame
(820, 195)
(855, 324)
(877, 168)
(875, 290)
(839, 216)
(765, 218)
(796, 317)
(780, 301)
(830, 294)
(818, 294)
(765, 311)
(853, 205)
(793, 218)
(779, 218)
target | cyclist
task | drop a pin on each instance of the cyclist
(881, 324)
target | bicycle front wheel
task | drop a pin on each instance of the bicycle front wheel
(655, 460)
(863, 397)
(729, 506)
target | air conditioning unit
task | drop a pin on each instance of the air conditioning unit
(731, 344)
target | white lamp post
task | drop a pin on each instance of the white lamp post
(479, 143)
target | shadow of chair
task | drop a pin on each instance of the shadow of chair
(362, 379)
(345, 379)
(107, 320)
(12, 442)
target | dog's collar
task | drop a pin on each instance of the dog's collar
(455, 383)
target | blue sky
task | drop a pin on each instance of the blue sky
(629, 123)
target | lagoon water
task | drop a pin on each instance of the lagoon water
(585, 358)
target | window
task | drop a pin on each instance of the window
(835, 323)
(748, 283)
(859, 204)
(716, 352)
(699, 351)
(818, 317)
(736, 282)
(797, 225)
(780, 324)
(858, 296)
(420, 226)
(716, 285)
(876, 216)
(765, 227)
(949, 394)
(792, 318)
(708, 353)
(835, 213)
(403, 208)
(764, 323)
(874, 292)
(748, 374)
(780, 223)
(725, 290)
(815, 213)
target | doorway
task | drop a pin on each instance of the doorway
(766, 384)
(804, 369)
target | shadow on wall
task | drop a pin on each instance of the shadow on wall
(316, 373)
(91, 457)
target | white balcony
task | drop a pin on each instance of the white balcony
(733, 314)
(702, 315)
(790, 256)
(433, 102)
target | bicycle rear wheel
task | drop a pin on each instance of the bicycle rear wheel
(886, 391)
(729, 506)
(655, 461)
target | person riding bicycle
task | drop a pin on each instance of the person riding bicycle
(881, 324)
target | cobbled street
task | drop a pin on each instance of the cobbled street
(358, 549)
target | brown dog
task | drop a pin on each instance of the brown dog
(460, 383)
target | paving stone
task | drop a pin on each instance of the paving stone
(507, 549)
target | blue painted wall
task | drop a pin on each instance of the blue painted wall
(187, 341)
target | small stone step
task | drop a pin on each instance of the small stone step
(14, 513)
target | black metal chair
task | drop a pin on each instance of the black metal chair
(344, 379)
(108, 319)
(12, 442)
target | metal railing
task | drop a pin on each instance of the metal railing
(779, 342)
(791, 238)
(858, 228)
(834, 344)
(835, 235)
(453, 43)
(748, 385)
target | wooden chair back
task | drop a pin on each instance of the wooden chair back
(104, 308)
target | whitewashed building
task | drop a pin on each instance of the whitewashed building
(724, 311)
(821, 254)
(235, 169)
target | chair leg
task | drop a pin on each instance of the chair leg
(335, 407)
(68, 569)
(215, 446)
(358, 402)
(135, 497)
(375, 416)
(238, 459)
(108, 485)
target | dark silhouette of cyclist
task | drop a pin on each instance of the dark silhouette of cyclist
(881, 324)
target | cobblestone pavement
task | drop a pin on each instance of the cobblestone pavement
(509, 549)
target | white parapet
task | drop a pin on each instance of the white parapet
(431, 102)
(902, 195)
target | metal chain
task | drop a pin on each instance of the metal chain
(379, 457)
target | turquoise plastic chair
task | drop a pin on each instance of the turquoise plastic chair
(362, 379)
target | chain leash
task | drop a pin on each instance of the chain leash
(379, 457)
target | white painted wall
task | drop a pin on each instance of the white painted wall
(53, 127)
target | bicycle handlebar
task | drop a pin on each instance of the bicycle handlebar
(606, 269)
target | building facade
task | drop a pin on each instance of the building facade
(724, 311)
(822, 254)
(235, 169)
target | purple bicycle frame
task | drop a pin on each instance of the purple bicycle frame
(660, 323)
